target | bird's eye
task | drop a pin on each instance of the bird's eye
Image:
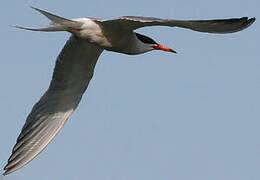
(145, 39)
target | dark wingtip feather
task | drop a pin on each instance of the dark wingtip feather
(248, 22)
(6, 173)
(239, 24)
(251, 21)
(7, 170)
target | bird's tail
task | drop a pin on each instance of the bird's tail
(57, 23)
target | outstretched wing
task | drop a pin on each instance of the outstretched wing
(73, 71)
(210, 26)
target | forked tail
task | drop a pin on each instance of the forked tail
(57, 23)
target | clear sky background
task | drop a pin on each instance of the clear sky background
(157, 116)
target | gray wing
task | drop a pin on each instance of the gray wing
(73, 71)
(210, 26)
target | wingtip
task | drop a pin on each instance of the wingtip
(251, 20)
(6, 172)
(9, 168)
(246, 22)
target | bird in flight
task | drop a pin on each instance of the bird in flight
(75, 67)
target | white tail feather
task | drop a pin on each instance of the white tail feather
(57, 24)
(46, 29)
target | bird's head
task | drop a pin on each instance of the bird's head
(151, 44)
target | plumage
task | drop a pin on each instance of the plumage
(75, 67)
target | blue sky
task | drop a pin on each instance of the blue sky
(158, 116)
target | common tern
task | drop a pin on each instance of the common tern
(75, 67)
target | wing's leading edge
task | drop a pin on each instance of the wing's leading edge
(219, 26)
